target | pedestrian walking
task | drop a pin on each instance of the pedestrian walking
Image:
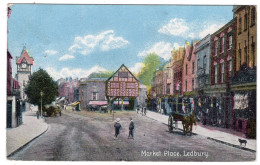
(144, 110)
(118, 127)
(131, 129)
(137, 109)
(37, 114)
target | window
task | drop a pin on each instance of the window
(222, 44)
(239, 54)
(198, 65)
(253, 51)
(193, 67)
(245, 52)
(230, 42)
(230, 68)
(216, 47)
(186, 69)
(168, 88)
(222, 72)
(186, 85)
(216, 74)
(193, 84)
(240, 25)
(95, 95)
(253, 16)
(245, 22)
(204, 62)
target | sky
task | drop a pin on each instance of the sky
(76, 40)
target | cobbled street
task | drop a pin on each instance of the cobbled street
(89, 136)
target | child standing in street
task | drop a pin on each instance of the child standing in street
(117, 126)
(131, 129)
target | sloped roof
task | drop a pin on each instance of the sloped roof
(25, 57)
(119, 69)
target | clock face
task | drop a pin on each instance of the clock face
(23, 65)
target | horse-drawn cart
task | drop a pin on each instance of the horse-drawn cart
(187, 121)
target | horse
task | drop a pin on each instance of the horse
(188, 122)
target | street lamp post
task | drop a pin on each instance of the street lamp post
(41, 93)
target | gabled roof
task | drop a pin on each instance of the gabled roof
(9, 54)
(25, 58)
(119, 69)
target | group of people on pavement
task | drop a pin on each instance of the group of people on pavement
(118, 127)
(142, 110)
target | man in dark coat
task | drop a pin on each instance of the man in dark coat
(131, 129)
(117, 127)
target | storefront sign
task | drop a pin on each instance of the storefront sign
(241, 101)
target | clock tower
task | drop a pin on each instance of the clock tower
(24, 69)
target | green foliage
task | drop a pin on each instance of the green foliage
(101, 75)
(41, 81)
(151, 62)
(51, 111)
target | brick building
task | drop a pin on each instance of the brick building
(177, 68)
(189, 68)
(243, 84)
(223, 47)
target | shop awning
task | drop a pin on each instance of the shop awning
(97, 103)
(76, 103)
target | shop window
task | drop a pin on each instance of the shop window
(240, 124)
(95, 95)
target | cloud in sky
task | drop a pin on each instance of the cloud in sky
(210, 29)
(50, 52)
(175, 27)
(162, 49)
(104, 41)
(74, 73)
(66, 57)
(137, 67)
(194, 29)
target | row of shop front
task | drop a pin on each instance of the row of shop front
(219, 106)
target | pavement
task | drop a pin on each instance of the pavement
(17, 138)
(222, 135)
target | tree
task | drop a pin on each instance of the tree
(41, 81)
(105, 74)
(151, 63)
